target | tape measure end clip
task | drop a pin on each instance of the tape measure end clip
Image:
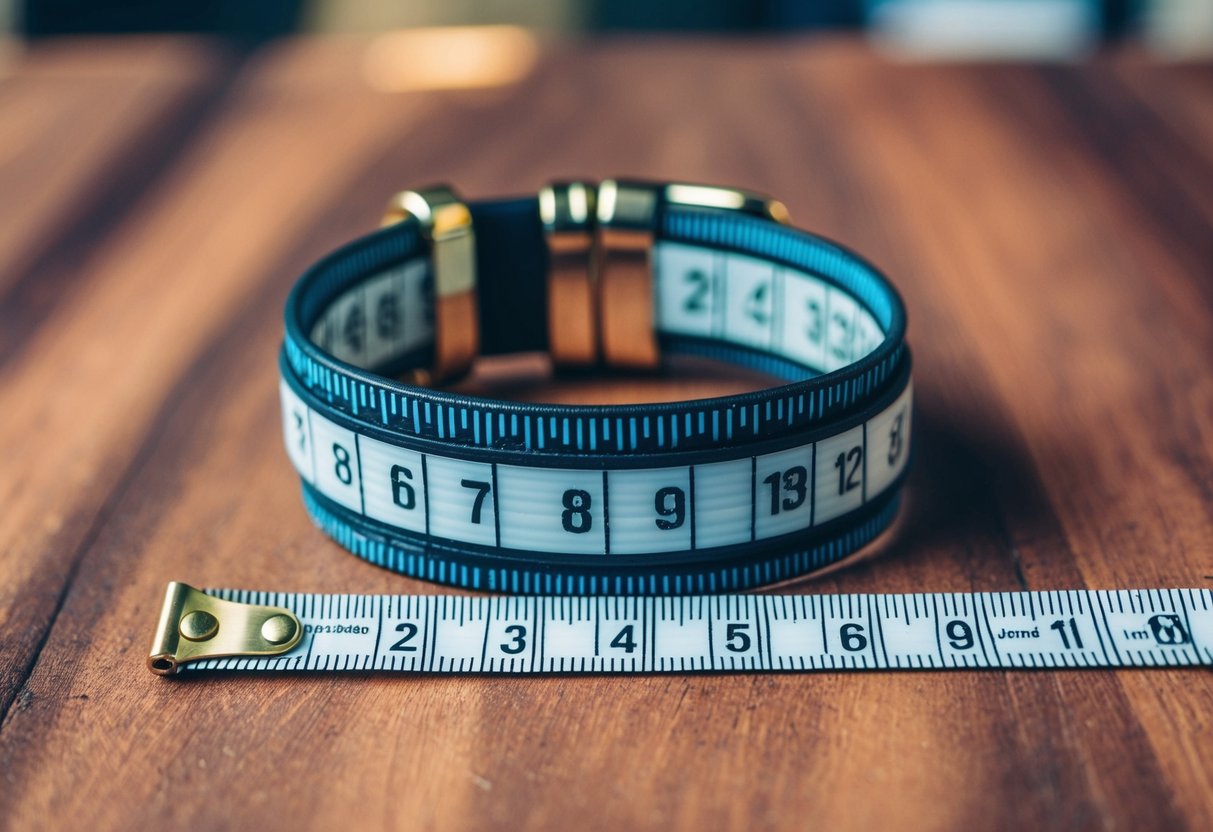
(195, 626)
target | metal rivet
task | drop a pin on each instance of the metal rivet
(199, 625)
(278, 629)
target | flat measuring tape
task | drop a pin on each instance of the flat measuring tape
(236, 630)
(636, 516)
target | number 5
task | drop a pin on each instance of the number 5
(737, 640)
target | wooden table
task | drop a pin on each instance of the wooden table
(1050, 229)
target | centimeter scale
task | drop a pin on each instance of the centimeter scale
(722, 633)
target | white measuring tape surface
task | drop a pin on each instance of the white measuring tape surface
(728, 633)
(613, 528)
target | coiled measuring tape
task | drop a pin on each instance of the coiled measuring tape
(650, 509)
(698, 496)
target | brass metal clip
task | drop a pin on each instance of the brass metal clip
(446, 223)
(628, 213)
(194, 626)
(567, 212)
(728, 199)
(627, 216)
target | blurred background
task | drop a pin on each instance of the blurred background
(998, 29)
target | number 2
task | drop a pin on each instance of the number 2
(410, 630)
(696, 301)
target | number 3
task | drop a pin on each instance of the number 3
(895, 437)
(517, 643)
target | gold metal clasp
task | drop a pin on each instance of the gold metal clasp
(567, 211)
(446, 223)
(627, 216)
(728, 199)
(194, 626)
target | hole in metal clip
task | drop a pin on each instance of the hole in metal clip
(163, 665)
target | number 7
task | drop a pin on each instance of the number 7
(482, 490)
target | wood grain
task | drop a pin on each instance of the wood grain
(89, 125)
(1050, 229)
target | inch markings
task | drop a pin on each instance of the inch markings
(590, 511)
(742, 633)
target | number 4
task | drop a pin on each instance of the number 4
(626, 639)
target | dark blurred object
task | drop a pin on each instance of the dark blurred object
(725, 15)
(911, 29)
(831, 14)
(246, 20)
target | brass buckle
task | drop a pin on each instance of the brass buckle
(195, 626)
(567, 211)
(446, 223)
(600, 278)
(728, 199)
(627, 218)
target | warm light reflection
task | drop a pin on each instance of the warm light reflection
(579, 203)
(448, 58)
(699, 195)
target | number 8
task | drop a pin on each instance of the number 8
(341, 464)
(576, 517)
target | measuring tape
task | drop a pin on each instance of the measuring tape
(236, 630)
(687, 497)
(614, 526)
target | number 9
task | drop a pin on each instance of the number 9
(960, 635)
(671, 506)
